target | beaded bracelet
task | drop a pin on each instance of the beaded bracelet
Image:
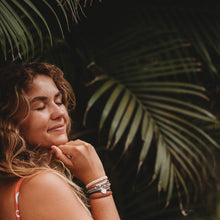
(102, 187)
(89, 188)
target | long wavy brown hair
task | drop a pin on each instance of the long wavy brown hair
(17, 159)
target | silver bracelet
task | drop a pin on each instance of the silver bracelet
(102, 187)
(96, 181)
(103, 191)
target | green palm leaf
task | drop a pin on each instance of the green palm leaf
(109, 104)
(17, 18)
(134, 126)
(161, 110)
(147, 136)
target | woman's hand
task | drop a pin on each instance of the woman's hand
(81, 158)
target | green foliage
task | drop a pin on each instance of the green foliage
(24, 22)
(148, 89)
(142, 95)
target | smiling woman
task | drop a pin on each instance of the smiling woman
(37, 160)
(48, 118)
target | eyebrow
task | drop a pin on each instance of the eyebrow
(43, 98)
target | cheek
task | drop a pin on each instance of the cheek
(32, 123)
(34, 129)
(68, 121)
(66, 115)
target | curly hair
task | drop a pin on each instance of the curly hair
(16, 158)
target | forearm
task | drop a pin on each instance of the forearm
(104, 208)
(101, 199)
(85, 164)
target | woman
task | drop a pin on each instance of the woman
(36, 157)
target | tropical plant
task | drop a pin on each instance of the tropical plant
(22, 23)
(145, 90)
(142, 97)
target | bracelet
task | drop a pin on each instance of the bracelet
(98, 196)
(102, 187)
(96, 181)
(103, 192)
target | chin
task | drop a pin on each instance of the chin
(60, 142)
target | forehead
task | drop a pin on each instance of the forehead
(42, 86)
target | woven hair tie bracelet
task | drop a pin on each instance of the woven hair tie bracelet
(96, 181)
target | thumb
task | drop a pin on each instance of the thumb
(61, 156)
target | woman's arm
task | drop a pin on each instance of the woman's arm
(104, 208)
(85, 164)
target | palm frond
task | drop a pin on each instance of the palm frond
(199, 26)
(144, 96)
(21, 23)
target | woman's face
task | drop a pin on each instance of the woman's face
(46, 124)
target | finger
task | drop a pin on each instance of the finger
(78, 142)
(72, 148)
(61, 156)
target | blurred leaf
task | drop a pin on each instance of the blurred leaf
(111, 101)
(161, 105)
(18, 18)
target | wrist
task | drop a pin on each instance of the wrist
(99, 188)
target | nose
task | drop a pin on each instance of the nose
(57, 112)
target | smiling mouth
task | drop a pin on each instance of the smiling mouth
(58, 128)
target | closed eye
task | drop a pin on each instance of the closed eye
(41, 108)
(58, 99)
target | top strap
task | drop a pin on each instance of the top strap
(16, 195)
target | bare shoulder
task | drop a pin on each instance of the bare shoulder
(48, 196)
(45, 181)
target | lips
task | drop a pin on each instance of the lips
(57, 128)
